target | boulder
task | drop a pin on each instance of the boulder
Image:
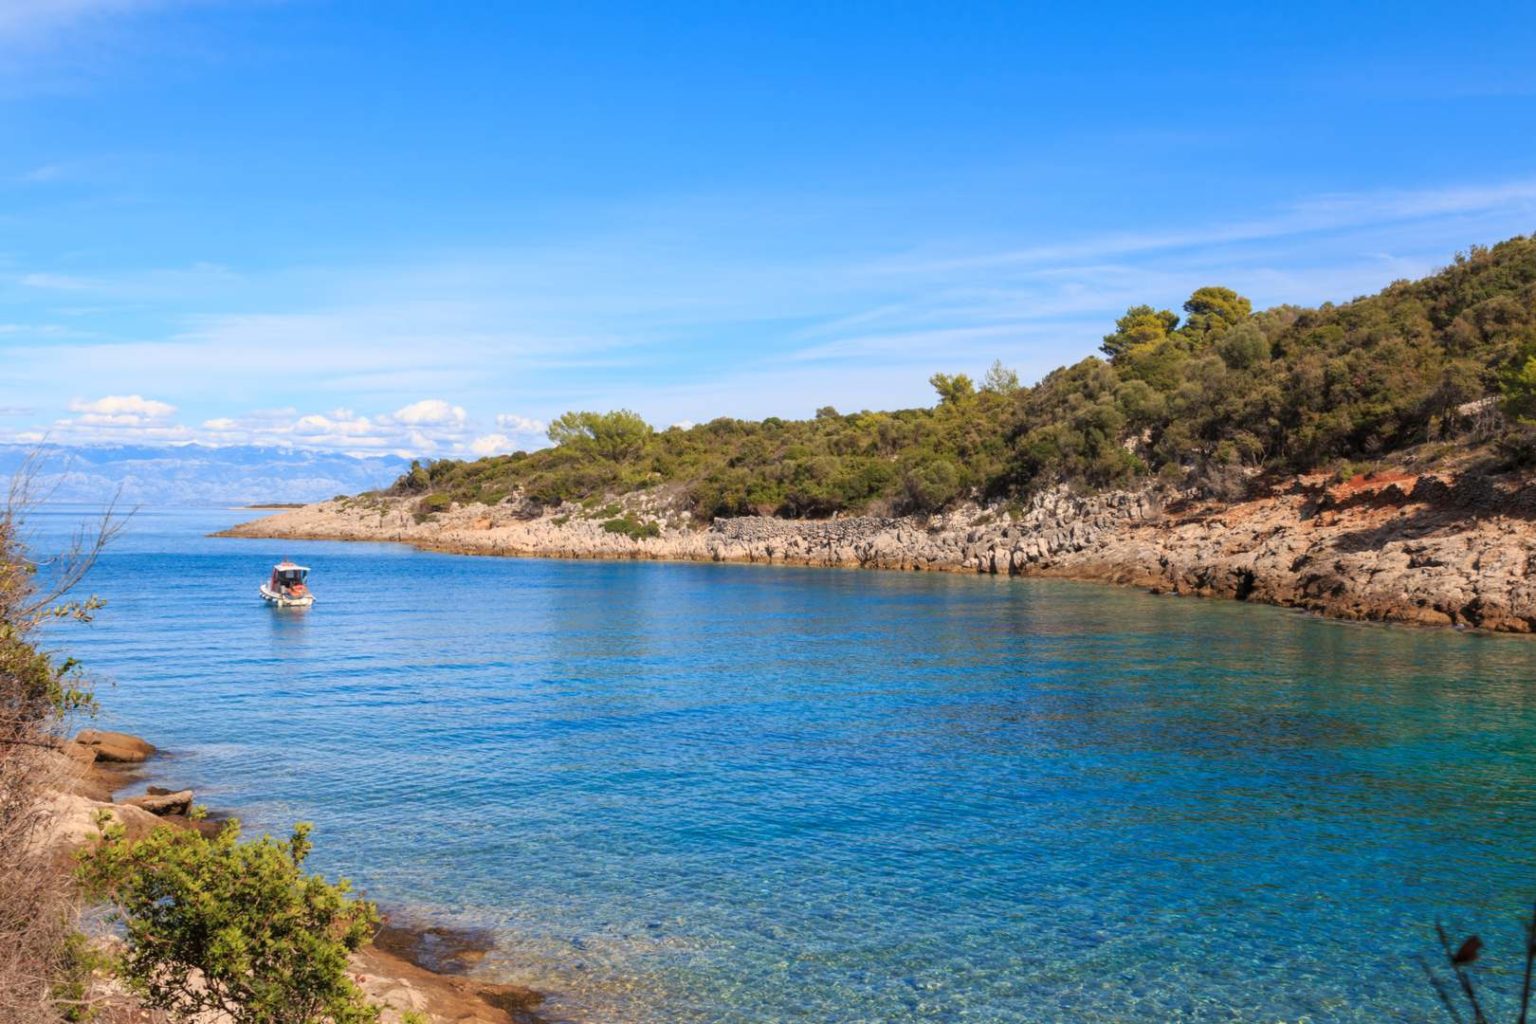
(115, 746)
(162, 802)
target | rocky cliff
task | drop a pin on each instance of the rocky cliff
(1431, 549)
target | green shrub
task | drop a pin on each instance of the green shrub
(931, 484)
(430, 505)
(632, 528)
(1517, 446)
(218, 925)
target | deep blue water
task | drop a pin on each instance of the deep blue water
(692, 793)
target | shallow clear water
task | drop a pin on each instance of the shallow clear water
(718, 793)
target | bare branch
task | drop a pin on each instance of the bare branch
(1441, 991)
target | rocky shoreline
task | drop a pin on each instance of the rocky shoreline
(1430, 549)
(407, 967)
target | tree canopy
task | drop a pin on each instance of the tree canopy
(614, 435)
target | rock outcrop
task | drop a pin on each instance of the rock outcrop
(162, 802)
(1428, 549)
(117, 747)
(83, 773)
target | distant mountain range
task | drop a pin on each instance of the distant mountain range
(196, 474)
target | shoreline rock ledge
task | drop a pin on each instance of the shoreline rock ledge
(397, 972)
(1431, 549)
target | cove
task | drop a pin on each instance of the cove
(688, 793)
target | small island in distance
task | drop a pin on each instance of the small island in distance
(1370, 460)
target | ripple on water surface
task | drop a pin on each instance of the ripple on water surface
(713, 793)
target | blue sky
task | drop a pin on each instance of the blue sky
(430, 228)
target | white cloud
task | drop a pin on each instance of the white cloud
(431, 412)
(515, 433)
(337, 423)
(491, 444)
(516, 424)
(430, 427)
(135, 406)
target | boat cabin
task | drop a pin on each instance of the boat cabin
(289, 578)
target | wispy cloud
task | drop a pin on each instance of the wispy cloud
(70, 47)
(57, 282)
(139, 285)
(33, 20)
(687, 326)
(1324, 213)
(44, 173)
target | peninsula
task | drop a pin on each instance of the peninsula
(1369, 460)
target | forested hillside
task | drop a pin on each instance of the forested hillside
(1207, 395)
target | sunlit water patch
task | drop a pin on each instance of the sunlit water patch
(693, 793)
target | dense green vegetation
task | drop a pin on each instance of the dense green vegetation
(219, 926)
(1205, 396)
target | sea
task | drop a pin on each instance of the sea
(729, 793)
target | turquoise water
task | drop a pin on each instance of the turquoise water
(692, 793)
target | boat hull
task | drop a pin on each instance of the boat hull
(285, 600)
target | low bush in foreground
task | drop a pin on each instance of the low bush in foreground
(217, 925)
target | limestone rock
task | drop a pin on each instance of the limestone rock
(73, 819)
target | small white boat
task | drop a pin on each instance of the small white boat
(287, 587)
